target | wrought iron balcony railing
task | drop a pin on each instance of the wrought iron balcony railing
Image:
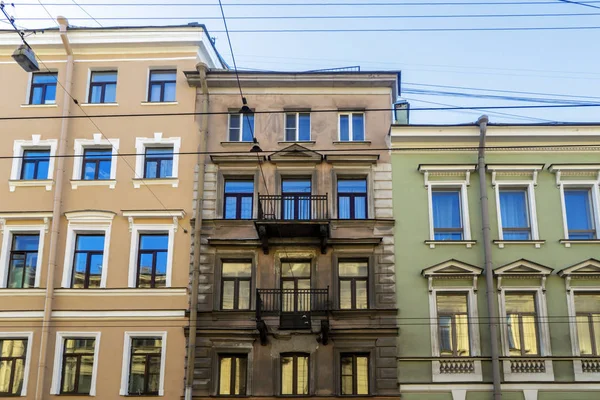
(293, 207)
(295, 307)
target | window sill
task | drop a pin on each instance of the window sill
(111, 183)
(236, 143)
(467, 243)
(502, 243)
(121, 292)
(138, 183)
(99, 104)
(159, 103)
(47, 183)
(352, 142)
(569, 242)
(53, 105)
(300, 142)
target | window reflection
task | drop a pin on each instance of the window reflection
(522, 324)
(587, 308)
(144, 370)
(294, 374)
(232, 374)
(78, 362)
(353, 277)
(236, 277)
(355, 374)
(453, 324)
(12, 366)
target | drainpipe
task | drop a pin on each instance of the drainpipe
(487, 254)
(191, 351)
(56, 210)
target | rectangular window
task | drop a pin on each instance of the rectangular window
(447, 214)
(296, 198)
(237, 203)
(514, 210)
(87, 261)
(354, 280)
(453, 324)
(232, 374)
(35, 164)
(12, 366)
(355, 374)
(294, 374)
(521, 319)
(352, 198)
(580, 213)
(241, 127)
(23, 261)
(152, 260)
(352, 127)
(77, 366)
(96, 164)
(587, 308)
(158, 162)
(162, 85)
(235, 294)
(43, 88)
(295, 282)
(103, 87)
(297, 127)
(144, 368)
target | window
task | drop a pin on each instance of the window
(297, 127)
(294, 374)
(295, 282)
(453, 324)
(152, 260)
(77, 365)
(354, 374)
(521, 319)
(354, 281)
(232, 374)
(352, 198)
(235, 293)
(162, 85)
(580, 213)
(87, 261)
(35, 164)
(238, 199)
(23, 261)
(352, 127)
(145, 366)
(103, 87)
(447, 214)
(96, 164)
(296, 198)
(12, 366)
(587, 308)
(514, 210)
(241, 127)
(43, 88)
(158, 162)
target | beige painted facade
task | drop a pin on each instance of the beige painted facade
(121, 207)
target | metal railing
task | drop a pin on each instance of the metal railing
(276, 301)
(293, 207)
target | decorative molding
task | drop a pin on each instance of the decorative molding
(139, 182)
(352, 158)
(591, 266)
(85, 216)
(75, 183)
(46, 183)
(175, 215)
(141, 143)
(569, 242)
(536, 243)
(237, 159)
(36, 143)
(526, 369)
(467, 243)
(97, 142)
(130, 314)
(528, 171)
(456, 370)
(462, 171)
(295, 153)
(522, 267)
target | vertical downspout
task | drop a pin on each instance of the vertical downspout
(191, 351)
(56, 210)
(487, 253)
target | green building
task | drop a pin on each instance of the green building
(542, 186)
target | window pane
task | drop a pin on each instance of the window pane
(287, 375)
(584, 335)
(529, 335)
(246, 210)
(361, 295)
(104, 76)
(151, 170)
(244, 295)
(89, 171)
(154, 242)
(302, 371)
(362, 375)
(137, 373)
(50, 97)
(95, 94)
(104, 171)
(344, 207)
(233, 186)
(90, 242)
(352, 186)
(240, 376)
(42, 172)
(69, 374)
(44, 78)
(346, 373)
(445, 329)
(36, 95)
(514, 213)
(462, 335)
(79, 268)
(28, 170)
(95, 270)
(295, 269)
(520, 302)
(153, 374)
(587, 303)
(446, 210)
(596, 324)
(451, 303)
(304, 126)
(225, 376)
(169, 92)
(248, 127)
(231, 269)
(166, 168)
(579, 213)
(230, 208)
(345, 294)
(296, 186)
(290, 127)
(17, 269)
(110, 93)
(358, 127)
(514, 335)
(228, 294)
(155, 91)
(156, 76)
(344, 128)
(353, 268)
(360, 207)
(26, 242)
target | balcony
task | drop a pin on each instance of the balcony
(293, 215)
(295, 307)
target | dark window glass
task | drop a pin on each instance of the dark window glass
(96, 164)
(296, 201)
(352, 127)
(144, 368)
(87, 261)
(580, 214)
(77, 366)
(522, 324)
(447, 215)
(12, 366)
(152, 260)
(23, 261)
(294, 374)
(238, 199)
(103, 87)
(235, 294)
(295, 282)
(514, 211)
(232, 374)
(587, 307)
(297, 127)
(158, 162)
(241, 127)
(354, 280)
(35, 164)
(352, 198)
(354, 373)
(453, 324)
(162, 85)
(43, 88)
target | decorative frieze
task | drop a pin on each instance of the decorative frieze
(457, 366)
(527, 366)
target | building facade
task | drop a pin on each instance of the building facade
(296, 284)
(95, 211)
(542, 186)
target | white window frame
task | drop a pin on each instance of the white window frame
(531, 206)
(129, 335)
(141, 143)
(241, 128)
(297, 115)
(29, 337)
(8, 233)
(593, 187)
(350, 131)
(36, 143)
(86, 222)
(58, 359)
(30, 84)
(140, 229)
(98, 142)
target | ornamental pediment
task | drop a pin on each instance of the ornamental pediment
(523, 267)
(587, 267)
(451, 268)
(296, 153)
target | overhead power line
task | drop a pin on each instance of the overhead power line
(321, 4)
(579, 3)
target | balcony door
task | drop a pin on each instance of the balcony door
(296, 199)
(295, 294)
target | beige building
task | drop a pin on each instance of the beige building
(95, 211)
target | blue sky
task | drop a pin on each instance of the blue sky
(555, 63)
